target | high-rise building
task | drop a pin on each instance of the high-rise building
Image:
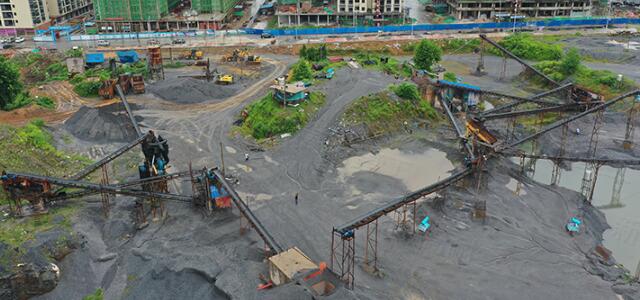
(210, 6)
(62, 10)
(344, 12)
(160, 15)
(506, 9)
(22, 16)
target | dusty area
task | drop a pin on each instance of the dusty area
(520, 252)
(179, 88)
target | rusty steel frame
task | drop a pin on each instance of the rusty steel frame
(344, 258)
(371, 246)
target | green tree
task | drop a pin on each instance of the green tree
(10, 86)
(302, 70)
(303, 51)
(571, 62)
(426, 54)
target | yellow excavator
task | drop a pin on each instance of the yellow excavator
(192, 54)
(224, 79)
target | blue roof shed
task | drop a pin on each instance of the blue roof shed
(126, 57)
(94, 58)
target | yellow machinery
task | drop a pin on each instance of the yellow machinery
(192, 54)
(254, 60)
(477, 129)
(238, 55)
(224, 79)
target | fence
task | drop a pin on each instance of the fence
(553, 23)
(593, 22)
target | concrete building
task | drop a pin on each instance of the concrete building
(496, 9)
(161, 15)
(22, 16)
(343, 12)
(63, 10)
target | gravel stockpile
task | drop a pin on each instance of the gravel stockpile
(190, 90)
(104, 124)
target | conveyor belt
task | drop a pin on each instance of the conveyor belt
(567, 120)
(248, 214)
(575, 159)
(129, 112)
(397, 203)
(87, 170)
(99, 187)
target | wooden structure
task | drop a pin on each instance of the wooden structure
(284, 266)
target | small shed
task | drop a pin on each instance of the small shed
(94, 58)
(75, 65)
(289, 93)
(468, 94)
(284, 266)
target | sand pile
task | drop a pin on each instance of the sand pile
(104, 124)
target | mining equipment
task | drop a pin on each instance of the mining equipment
(225, 79)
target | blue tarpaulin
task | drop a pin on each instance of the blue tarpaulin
(94, 58)
(460, 85)
(126, 57)
(267, 6)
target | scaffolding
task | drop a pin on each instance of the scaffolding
(212, 6)
(135, 10)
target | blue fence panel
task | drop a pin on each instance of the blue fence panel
(445, 27)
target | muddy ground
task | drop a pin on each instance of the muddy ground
(521, 252)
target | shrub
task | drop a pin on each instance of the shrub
(313, 53)
(46, 102)
(302, 71)
(32, 134)
(450, 76)
(525, 46)
(407, 91)
(87, 88)
(426, 54)
(10, 86)
(21, 100)
(571, 62)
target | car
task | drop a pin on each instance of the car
(6, 46)
(153, 42)
(103, 43)
(266, 35)
(178, 41)
(19, 39)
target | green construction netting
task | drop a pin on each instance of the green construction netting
(209, 6)
(131, 9)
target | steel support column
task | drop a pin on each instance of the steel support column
(371, 246)
(343, 255)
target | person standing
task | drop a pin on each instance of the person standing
(295, 198)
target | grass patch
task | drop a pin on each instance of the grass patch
(389, 110)
(174, 65)
(603, 82)
(97, 295)
(45, 102)
(267, 117)
(28, 149)
(385, 64)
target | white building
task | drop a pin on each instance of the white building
(23, 16)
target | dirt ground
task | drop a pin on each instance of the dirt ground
(520, 252)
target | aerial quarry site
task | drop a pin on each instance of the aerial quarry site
(486, 165)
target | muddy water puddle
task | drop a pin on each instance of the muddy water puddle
(622, 212)
(415, 169)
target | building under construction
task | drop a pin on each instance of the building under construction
(499, 9)
(342, 12)
(160, 15)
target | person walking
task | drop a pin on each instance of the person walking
(246, 157)
(295, 198)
